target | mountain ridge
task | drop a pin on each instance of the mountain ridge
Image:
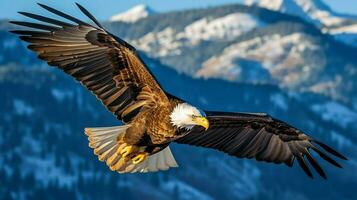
(171, 43)
(342, 27)
(134, 14)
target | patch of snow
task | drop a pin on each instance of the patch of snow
(285, 6)
(336, 112)
(22, 108)
(226, 27)
(168, 41)
(274, 4)
(344, 29)
(275, 53)
(134, 14)
(319, 11)
(162, 43)
(346, 34)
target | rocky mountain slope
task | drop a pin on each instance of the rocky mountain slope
(248, 44)
(256, 44)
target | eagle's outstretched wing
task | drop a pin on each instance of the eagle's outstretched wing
(106, 65)
(259, 136)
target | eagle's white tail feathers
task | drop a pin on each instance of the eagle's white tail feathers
(104, 142)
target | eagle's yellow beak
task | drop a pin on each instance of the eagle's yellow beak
(202, 121)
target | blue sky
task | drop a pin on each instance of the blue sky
(103, 9)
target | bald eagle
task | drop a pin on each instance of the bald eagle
(112, 70)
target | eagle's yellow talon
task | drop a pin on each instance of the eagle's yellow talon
(138, 158)
(127, 150)
(120, 149)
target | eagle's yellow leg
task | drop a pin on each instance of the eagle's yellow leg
(128, 150)
(125, 149)
(139, 157)
(120, 148)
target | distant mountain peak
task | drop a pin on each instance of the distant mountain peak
(315, 11)
(278, 4)
(133, 14)
(343, 27)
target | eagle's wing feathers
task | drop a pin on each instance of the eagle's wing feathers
(106, 65)
(262, 137)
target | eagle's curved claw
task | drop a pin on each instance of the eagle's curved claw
(121, 148)
(127, 150)
(138, 158)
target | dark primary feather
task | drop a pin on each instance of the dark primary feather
(106, 65)
(61, 14)
(259, 136)
(85, 11)
(45, 19)
(36, 26)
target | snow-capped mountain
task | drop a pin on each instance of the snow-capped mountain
(287, 6)
(342, 27)
(315, 11)
(134, 14)
(168, 41)
(248, 44)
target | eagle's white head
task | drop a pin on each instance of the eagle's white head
(186, 116)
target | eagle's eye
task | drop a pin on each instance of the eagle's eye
(194, 116)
